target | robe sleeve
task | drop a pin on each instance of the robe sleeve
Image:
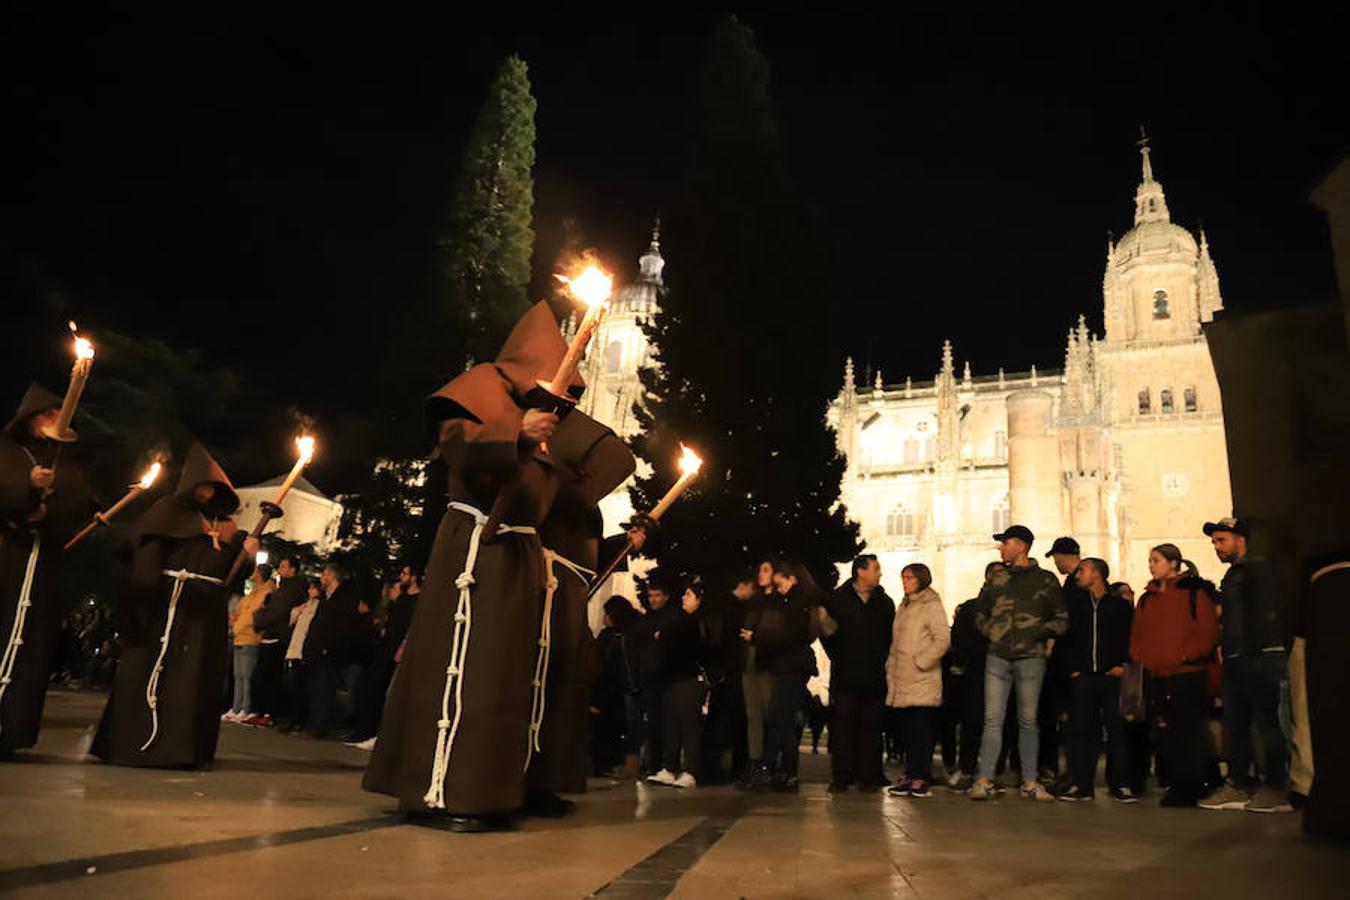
(17, 497)
(602, 461)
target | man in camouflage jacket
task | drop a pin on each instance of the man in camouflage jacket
(1020, 610)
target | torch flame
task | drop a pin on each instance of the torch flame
(150, 475)
(593, 286)
(689, 460)
(305, 447)
(84, 349)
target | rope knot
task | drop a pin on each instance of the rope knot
(460, 617)
(465, 580)
(452, 671)
(543, 642)
(536, 682)
(442, 724)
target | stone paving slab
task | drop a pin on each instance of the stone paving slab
(285, 816)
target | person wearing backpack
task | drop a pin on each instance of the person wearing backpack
(1173, 636)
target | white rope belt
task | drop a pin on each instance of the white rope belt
(180, 578)
(447, 727)
(545, 642)
(20, 614)
(1327, 570)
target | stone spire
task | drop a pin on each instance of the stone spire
(651, 263)
(966, 382)
(849, 386)
(1207, 282)
(945, 384)
(1150, 205)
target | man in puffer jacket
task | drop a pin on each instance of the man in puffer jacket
(1020, 610)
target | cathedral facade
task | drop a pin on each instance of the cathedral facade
(1122, 448)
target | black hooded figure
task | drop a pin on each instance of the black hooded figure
(166, 701)
(36, 519)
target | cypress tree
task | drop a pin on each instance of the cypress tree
(746, 344)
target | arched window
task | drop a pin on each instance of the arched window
(1188, 397)
(1160, 310)
(900, 522)
(1145, 402)
(1165, 400)
(1002, 516)
(613, 357)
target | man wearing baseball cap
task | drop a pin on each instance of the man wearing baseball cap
(1254, 638)
(1020, 609)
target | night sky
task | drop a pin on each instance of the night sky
(268, 189)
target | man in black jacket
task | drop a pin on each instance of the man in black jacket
(963, 692)
(1254, 640)
(1096, 648)
(858, 649)
(328, 649)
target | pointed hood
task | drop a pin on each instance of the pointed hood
(533, 351)
(179, 515)
(35, 400)
(201, 468)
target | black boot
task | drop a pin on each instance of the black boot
(547, 805)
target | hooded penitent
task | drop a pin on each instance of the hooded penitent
(35, 400)
(33, 525)
(180, 514)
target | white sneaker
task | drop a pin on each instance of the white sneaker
(232, 716)
(665, 776)
(367, 744)
(685, 781)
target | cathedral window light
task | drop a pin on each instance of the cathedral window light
(1002, 515)
(900, 522)
(1165, 400)
(1145, 402)
(613, 357)
(1160, 310)
(1188, 398)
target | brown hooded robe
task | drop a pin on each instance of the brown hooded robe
(181, 727)
(592, 462)
(29, 634)
(456, 740)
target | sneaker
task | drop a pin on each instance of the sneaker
(665, 776)
(1124, 795)
(231, 716)
(1036, 791)
(1074, 794)
(1270, 800)
(963, 784)
(367, 744)
(685, 780)
(920, 788)
(901, 787)
(981, 790)
(954, 779)
(1226, 797)
(258, 721)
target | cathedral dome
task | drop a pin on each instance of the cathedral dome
(1156, 238)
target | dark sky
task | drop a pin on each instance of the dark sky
(268, 189)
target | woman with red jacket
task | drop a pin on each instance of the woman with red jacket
(1175, 631)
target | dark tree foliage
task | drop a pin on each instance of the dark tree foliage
(746, 345)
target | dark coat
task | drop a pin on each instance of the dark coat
(683, 641)
(336, 632)
(969, 645)
(782, 637)
(273, 619)
(1253, 619)
(1098, 638)
(859, 647)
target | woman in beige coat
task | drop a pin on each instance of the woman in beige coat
(919, 638)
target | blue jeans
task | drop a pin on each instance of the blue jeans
(1000, 675)
(245, 661)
